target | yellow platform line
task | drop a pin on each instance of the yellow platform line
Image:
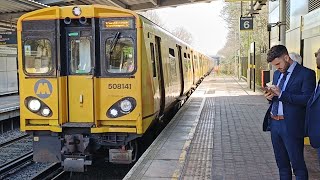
(182, 158)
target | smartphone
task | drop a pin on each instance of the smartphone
(270, 86)
(265, 89)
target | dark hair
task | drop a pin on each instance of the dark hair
(276, 51)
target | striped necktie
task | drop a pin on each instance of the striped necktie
(317, 89)
(275, 105)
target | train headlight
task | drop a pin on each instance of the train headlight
(126, 105)
(76, 11)
(45, 111)
(34, 105)
(122, 107)
(114, 112)
(37, 106)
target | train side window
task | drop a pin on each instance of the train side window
(153, 60)
(185, 55)
(173, 69)
(171, 52)
(37, 56)
(189, 56)
(120, 55)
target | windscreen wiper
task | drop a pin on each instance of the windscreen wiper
(114, 41)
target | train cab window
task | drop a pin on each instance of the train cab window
(80, 51)
(37, 56)
(120, 55)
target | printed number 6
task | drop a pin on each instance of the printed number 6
(246, 24)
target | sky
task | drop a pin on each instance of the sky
(202, 20)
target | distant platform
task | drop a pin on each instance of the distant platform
(9, 107)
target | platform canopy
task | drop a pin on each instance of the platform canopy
(10, 9)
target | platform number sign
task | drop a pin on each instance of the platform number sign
(246, 23)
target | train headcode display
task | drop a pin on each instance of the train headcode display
(118, 24)
(246, 23)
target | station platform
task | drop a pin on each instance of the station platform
(9, 107)
(216, 135)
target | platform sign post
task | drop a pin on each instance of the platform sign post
(246, 23)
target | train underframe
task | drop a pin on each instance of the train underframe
(76, 150)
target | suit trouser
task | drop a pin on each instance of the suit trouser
(288, 149)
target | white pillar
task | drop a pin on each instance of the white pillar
(282, 19)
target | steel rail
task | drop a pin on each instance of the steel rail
(13, 166)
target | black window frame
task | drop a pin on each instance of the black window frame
(34, 35)
(68, 46)
(106, 33)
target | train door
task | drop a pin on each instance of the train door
(181, 69)
(160, 74)
(80, 74)
(193, 68)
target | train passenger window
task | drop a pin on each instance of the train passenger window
(153, 60)
(80, 50)
(171, 52)
(120, 55)
(37, 56)
(173, 69)
(189, 56)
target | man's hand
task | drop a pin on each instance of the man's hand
(276, 90)
(268, 95)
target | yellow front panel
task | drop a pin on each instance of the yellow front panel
(63, 101)
(80, 98)
(111, 90)
(42, 89)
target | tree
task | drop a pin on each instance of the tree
(154, 17)
(183, 34)
(179, 32)
(237, 40)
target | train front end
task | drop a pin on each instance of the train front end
(80, 88)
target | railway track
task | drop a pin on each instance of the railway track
(54, 171)
(13, 166)
(13, 140)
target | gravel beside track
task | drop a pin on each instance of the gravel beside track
(10, 135)
(14, 150)
(28, 171)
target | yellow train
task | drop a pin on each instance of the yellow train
(95, 78)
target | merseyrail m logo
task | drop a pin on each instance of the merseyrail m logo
(43, 88)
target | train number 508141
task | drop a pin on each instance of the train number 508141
(119, 86)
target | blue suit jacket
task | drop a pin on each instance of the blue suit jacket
(294, 99)
(313, 120)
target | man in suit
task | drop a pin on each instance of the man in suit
(293, 86)
(313, 113)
